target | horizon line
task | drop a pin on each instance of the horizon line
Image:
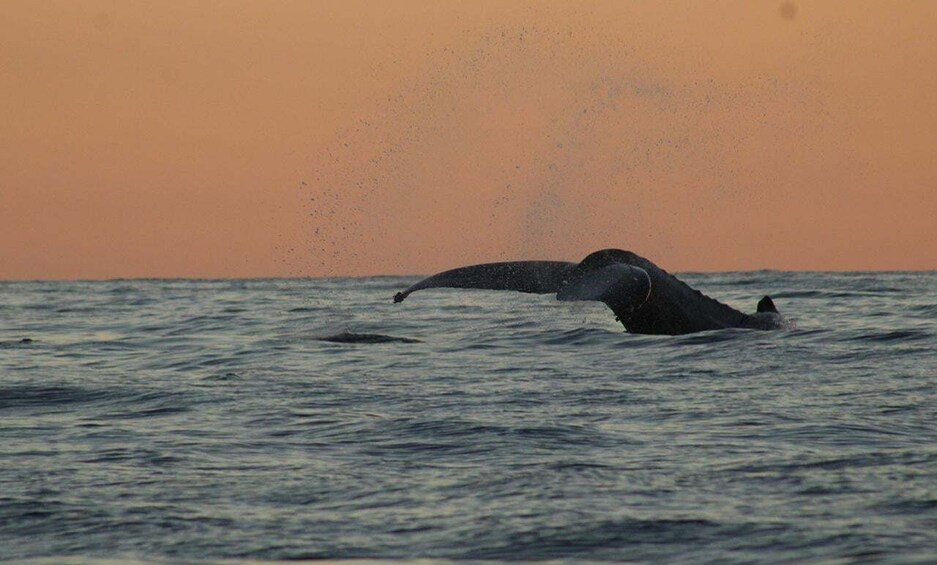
(415, 275)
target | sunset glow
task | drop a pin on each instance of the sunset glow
(255, 139)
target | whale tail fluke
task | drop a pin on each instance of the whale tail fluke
(537, 277)
(623, 288)
(645, 298)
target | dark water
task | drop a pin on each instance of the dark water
(166, 420)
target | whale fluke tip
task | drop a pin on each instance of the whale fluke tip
(766, 305)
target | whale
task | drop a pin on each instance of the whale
(644, 298)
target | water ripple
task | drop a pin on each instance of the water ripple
(178, 420)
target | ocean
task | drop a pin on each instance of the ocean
(175, 420)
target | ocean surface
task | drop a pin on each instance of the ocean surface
(167, 420)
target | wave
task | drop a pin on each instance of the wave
(350, 337)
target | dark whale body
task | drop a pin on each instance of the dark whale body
(645, 298)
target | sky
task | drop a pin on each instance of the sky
(310, 138)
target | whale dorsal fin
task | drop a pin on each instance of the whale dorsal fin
(767, 305)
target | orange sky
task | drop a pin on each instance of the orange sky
(230, 139)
